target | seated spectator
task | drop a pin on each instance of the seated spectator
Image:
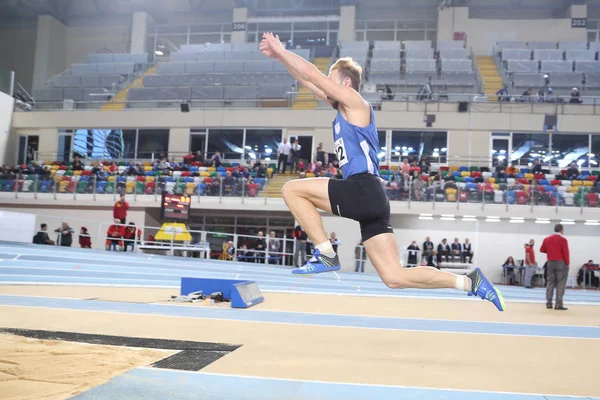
(139, 170)
(405, 167)
(503, 93)
(456, 250)
(443, 251)
(173, 164)
(199, 157)
(65, 235)
(188, 159)
(261, 171)
(439, 177)
(537, 167)
(260, 245)
(527, 95)
(300, 166)
(245, 173)
(164, 166)
(274, 248)
(131, 236)
(331, 169)
(509, 265)
(216, 159)
(424, 165)
(500, 170)
(229, 184)
(413, 252)
(42, 236)
(85, 240)
(467, 252)
(336, 163)
(418, 187)
(243, 253)
(575, 97)
(77, 165)
(587, 277)
(392, 189)
(572, 172)
(114, 236)
(335, 242)
(512, 170)
(113, 168)
(130, 170)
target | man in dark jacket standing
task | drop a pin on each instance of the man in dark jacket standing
(65, 235)
(300, 251)
(556, 248)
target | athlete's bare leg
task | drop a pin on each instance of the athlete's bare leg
(303, 197)
(383, 253)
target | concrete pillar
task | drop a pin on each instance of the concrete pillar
(139, 27)
(240, 16)
(347, 29)
(578, 11)
(50, 50)
(179, 142)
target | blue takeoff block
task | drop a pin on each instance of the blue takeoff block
(243, 294)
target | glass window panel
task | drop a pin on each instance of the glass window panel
(98, 143)
(592, 24)
(380, 35)
(197, 143)
(569, 148)
(275, 27)
(206, 38)
(171, 43)
(150, 44)
(64, 148)
(375, 25)
(435, 146)
(405, 144)
(361, 24)
(333, 36)
(595, 153)
(591, 35)
(334, 25)
(252, 37)
(252, 27)
(228, 142)
(172, 29)
(227, 38)
(411, 25)
(129, 143)
(308, 38)
(360, 36)
(262, 144)
(526, 147)
(382, 148)
(411, 35)
(206, 28)
(310, 26)
(152, 142)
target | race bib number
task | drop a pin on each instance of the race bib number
(340, 152)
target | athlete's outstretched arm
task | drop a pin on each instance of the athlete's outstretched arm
(308, 73)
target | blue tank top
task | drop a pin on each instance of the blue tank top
(355, 147)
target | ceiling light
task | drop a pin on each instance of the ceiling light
(447, 219)
(426, 218)
(425, 215)
(567, 222)
(448, 215)
(159, 53)
(469, 219)
(491, 220)
(592, 223)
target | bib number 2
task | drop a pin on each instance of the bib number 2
(340, 152)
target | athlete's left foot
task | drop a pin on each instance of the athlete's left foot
(484, 289)
(318, 264)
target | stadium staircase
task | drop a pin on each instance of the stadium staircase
(273, 189)
(492, 80)
(305, 100)
(118, 102)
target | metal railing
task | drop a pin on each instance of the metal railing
(243, 190)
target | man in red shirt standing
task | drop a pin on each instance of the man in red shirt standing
(120, 209)
(530, 264)
(556, 248)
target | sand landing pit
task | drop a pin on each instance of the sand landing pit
(53, 370)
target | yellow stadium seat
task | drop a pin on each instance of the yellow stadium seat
(77, 173)
(465, 174)
(394, 168)
(496, 186)
(310, 175)
(588, 183)
(451, 194)
(205, 174)
(492, 180)
(129, 187)
(573, 189)
(57, 178)
(62, 186)
(147, 164)
(577, 183)
(149, 179)
(454, 169)
(529, 176)
(54, 167)
(526, 188)
(189, 188)
(211, 169)
(112, 178)
(147, 168)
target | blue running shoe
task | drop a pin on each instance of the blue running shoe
(318, 264)
(484, 289)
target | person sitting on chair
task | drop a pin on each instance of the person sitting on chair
(509, 266)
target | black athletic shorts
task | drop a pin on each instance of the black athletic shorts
(362, 198)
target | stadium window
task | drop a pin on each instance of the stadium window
(415, 145)
(262, 144)
(105, 144)
(570, 148)
(229, 142)
(381, 152)
(129, 143)
(205, 38)
(595, 152)
(526, 147)
(152, 142)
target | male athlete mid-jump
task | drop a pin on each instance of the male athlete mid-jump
(360, 195)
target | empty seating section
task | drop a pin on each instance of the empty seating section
(520, 66)
(215, 72)
(541, 45)
(587, 66)
(454, 54)
(562, 67)
(451, 44)
(546, 55)
(102, 74)
(572, 45)
(580, 55)
(516, 54)
(385, 63)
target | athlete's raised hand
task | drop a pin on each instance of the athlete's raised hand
(270, 45)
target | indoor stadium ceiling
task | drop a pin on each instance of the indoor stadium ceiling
(70, 10)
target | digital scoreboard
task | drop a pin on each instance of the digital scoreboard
(175, 207)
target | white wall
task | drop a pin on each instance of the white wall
(17, 47)
(6, 112)
(97, 222)
(49, 50)
(482, 34)
(82, 40)
(17, 227)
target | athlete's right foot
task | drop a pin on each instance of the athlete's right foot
(318, 264)
(484, 289)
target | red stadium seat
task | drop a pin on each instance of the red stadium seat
(593, 178)
(592, 199)
(384, 167)
(522, 197)
(539, 176)
(445, 169)
(523, 181)
(476, 174)
(149, 188)
(555, 182)
(186, 173)
(141, 179)
(252, 190)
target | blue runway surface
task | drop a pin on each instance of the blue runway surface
(27, 264)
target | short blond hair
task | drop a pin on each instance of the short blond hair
(348, 69)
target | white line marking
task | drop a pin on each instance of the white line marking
(360, 384)
(17, 257)
(338, 277)
(236, 276)
(296, 324)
